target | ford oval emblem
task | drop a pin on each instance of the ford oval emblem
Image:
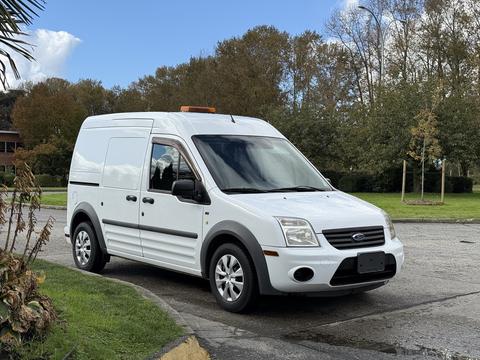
(358, 237)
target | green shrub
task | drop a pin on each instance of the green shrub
(356, 183)
(333, 176)
(460, 184)
(347, 183)
(7, 179)
(388, 181)
(46, 180)
(391, 181)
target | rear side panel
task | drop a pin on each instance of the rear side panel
(120, 191)
(88, 163)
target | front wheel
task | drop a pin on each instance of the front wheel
(232, 278)
(86, 252)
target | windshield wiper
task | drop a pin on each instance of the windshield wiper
(243, 190)
(297, 188)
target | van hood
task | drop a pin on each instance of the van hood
(324, 210)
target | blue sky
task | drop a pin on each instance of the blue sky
(119, 41)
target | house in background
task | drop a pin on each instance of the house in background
(9, 141)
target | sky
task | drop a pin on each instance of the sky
(118, 41)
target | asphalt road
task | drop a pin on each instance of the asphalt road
(432, 309)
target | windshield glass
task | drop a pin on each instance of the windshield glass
(242, 164)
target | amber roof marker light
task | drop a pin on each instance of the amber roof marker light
(198, 109)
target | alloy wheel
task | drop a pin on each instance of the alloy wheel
(229, 277)
(82, 247)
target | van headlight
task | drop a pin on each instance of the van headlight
(297, 232)
(391, 228)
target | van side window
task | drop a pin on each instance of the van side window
(184, 171)
(167, 165)
(122, 168)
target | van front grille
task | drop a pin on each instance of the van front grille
(349, 238)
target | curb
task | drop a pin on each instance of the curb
(436, 221)
(53, 207)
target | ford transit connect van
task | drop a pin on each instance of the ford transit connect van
(226, 198)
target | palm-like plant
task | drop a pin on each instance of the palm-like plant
(13, 15)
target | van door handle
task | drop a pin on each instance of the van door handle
(148, 200)
(131, 198)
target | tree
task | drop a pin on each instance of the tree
(92, 96)
(344, 104)
(49, 117)
(49, 109)
(250, 71)
(7, 101)
(424, 145)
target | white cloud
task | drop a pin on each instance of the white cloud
(348, 4)
(51, 51)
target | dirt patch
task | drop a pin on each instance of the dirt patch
(423, 202)
(189, 349)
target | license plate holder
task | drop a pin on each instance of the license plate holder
(371, 262)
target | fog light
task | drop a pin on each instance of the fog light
(303, 274)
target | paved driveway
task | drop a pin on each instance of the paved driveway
(432, 309)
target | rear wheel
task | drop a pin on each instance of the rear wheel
(232, 278)
(86, 251)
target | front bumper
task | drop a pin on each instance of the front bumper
(66, 231)
(324, 261)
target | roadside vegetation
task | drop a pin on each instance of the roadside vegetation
(51, 312)
(349, 104)
(24, 312)
(100, 319)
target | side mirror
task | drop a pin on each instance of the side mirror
(183, 188)
(191, 190)
(329, 181)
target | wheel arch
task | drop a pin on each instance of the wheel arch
(234, 232)
(86, 212)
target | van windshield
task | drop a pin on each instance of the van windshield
(251, 164)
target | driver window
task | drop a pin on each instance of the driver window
(163, 167)
(167, 165)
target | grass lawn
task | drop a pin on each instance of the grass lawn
(456, 206)
(54, 199)
(101, 319)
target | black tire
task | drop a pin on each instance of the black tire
(249, 293)
(97, 259)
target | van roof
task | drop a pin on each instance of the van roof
(184, 124)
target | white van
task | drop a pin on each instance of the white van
(226, 198)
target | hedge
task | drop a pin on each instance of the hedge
(391, 181)
(44, 180)
(7, 178)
